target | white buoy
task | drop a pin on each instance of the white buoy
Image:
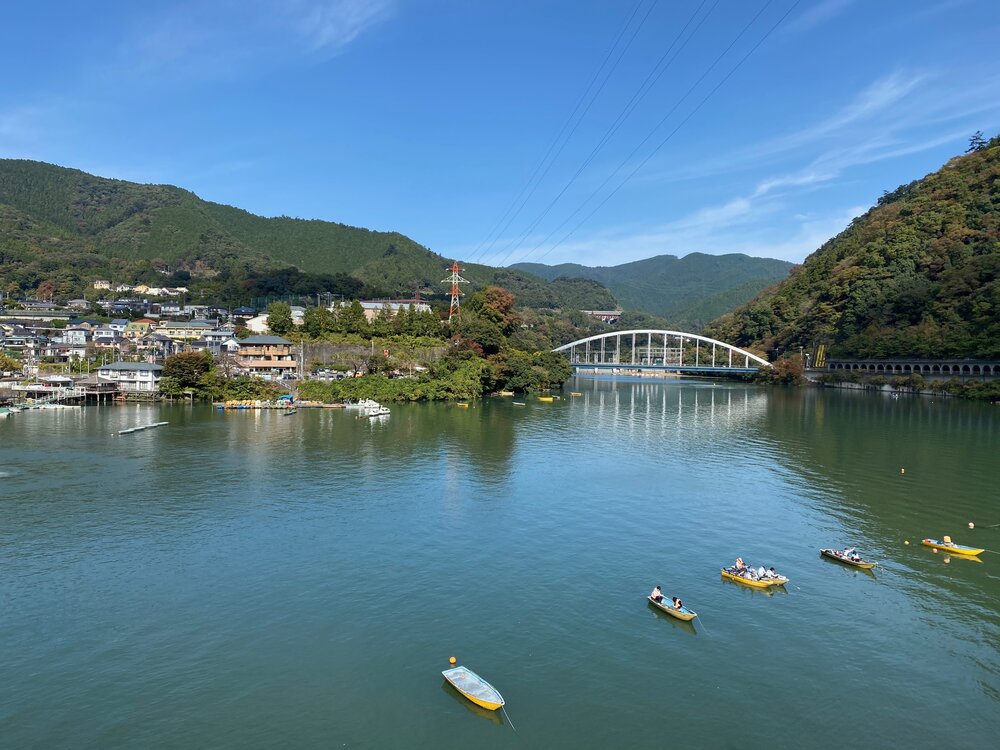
(972, 525)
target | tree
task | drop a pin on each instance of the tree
(977, 142)
(9, 364)
(279, 318)
(317, 321)
(352, 319)
(187, 369)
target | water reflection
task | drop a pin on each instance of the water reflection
(685, 626)
(494, 717)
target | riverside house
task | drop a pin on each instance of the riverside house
(134, 377)
(267, 357)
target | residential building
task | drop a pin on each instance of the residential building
(138, 328)
(184, 330)
(118, 324)
(268, 357)
(606, 316)
(373, 308)
(136, 377)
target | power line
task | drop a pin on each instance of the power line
(579, 119)
(623, 115)
(562, 130)
(670, 135)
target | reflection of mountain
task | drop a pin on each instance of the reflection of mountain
(856, 447)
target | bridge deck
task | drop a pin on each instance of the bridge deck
(663, 368)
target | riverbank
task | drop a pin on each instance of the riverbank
(973, 390)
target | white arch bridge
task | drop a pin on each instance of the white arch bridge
(647, 349)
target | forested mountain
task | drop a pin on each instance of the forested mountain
(688, 291)
(918, 275)
(65, 228)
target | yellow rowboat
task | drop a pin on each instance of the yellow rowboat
(575, 393)
(462, 406)
(506, 393)
(839, 557)
(546, 398)
(766, 584)
(683, 613)
(474, 687)
(949, 546)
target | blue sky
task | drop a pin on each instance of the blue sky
(765, 129)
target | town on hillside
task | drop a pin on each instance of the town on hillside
(49, 349)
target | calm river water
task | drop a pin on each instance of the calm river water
(252, 580)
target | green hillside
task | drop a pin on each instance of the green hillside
(67, 228)
(688, 291)
(917, 276)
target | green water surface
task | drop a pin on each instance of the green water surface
(251, 580)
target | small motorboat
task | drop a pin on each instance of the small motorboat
(546, 399)
(474, 687)
(289, 412)
(755, 583)
(949, 546)
(462, 406)
(840, 557)
(683, 613)
(505, 393)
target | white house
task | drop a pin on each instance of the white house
(137, 377)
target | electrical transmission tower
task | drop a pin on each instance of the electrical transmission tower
(455, 280)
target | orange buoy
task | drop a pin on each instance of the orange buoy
(452, 660)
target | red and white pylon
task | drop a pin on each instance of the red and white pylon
(455, 280)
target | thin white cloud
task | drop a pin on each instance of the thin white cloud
(333, 24)
(755, 233)
(817, 15)
(213, 38)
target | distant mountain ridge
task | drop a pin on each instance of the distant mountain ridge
(688, 291)
(67, 227)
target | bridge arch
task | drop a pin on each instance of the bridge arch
(661, 350)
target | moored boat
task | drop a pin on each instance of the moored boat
(683, 613)
(842, 558)
(546, 399)
(949, 546)
(474, 687)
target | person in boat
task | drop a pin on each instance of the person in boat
(678, 604)
(657, 595)
(740, 565)
(772, 573)
(761, 573)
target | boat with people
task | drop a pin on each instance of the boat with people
(748, 575)
(474, 687)
(847, 556)
(946, 545)
(670, 606)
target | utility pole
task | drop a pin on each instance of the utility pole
(455, 280)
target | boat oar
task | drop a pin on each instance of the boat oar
(504, 709)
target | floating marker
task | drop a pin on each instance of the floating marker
(452, 660)
(972, 525)
(902, 471)
(906, 541)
